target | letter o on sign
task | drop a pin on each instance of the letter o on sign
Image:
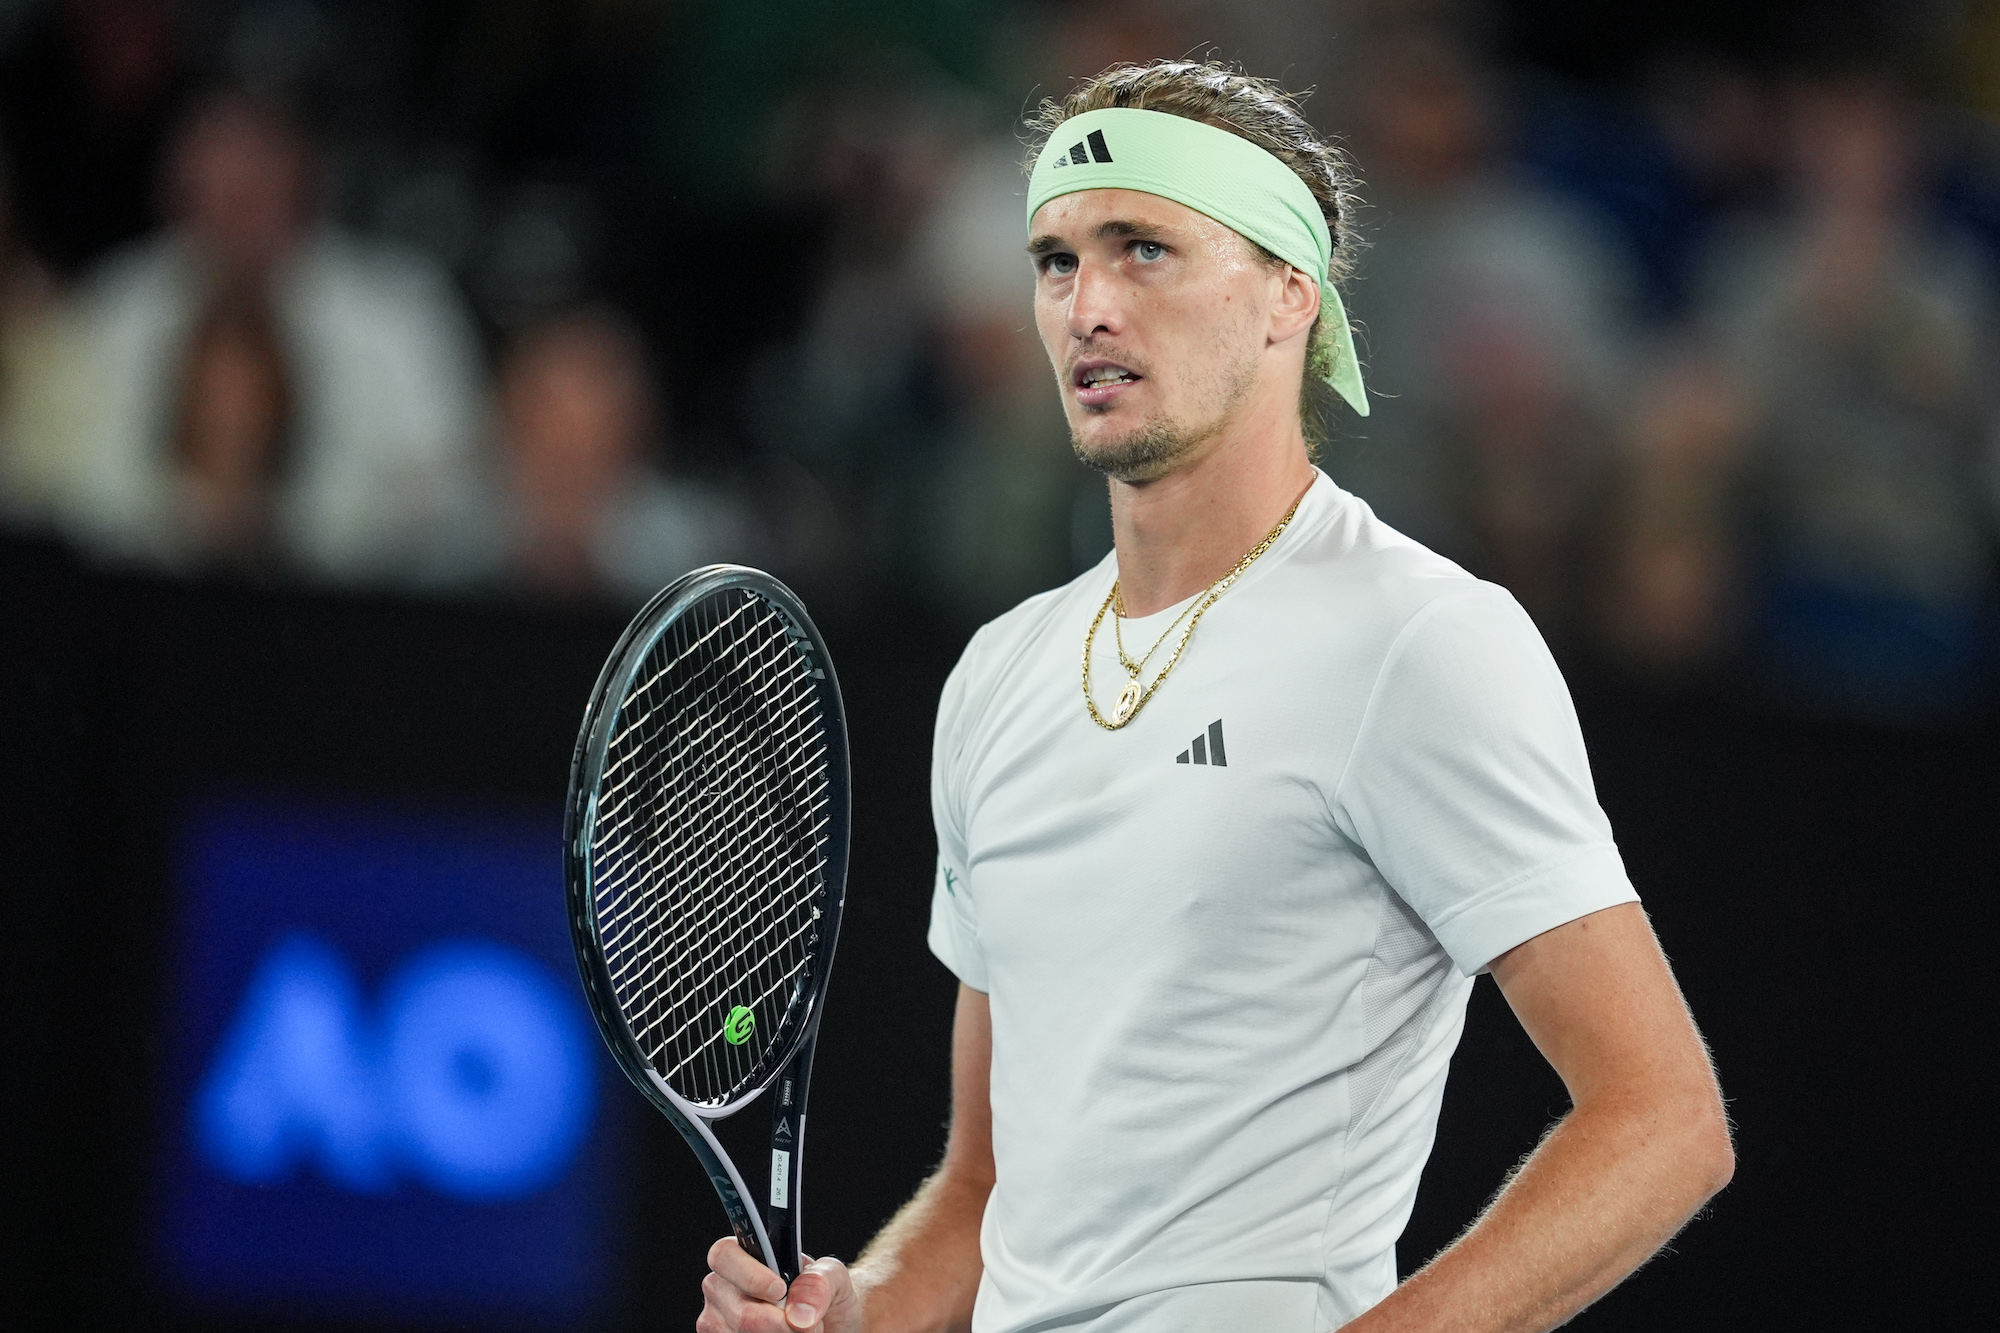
(487, 1073)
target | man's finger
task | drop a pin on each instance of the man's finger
(730, 1261)
(722, 1296)
(813, 1293)
(728, 1310)
(721, 1306)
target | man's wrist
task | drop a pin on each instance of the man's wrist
(862, 1279)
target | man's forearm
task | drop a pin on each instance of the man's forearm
(920, 1274)
(1646, 1146)
(1599, 1197)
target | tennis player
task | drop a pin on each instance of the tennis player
(1228, 825)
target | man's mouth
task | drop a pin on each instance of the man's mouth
(1098, 382)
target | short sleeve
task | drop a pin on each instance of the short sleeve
(954, 930)
(1469, 787)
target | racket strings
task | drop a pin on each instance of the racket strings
(709, 845)
(700, 835)
(620, 816)
(651, 852)
(730, 793)
(632, 740)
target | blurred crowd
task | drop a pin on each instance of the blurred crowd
(1693, 351)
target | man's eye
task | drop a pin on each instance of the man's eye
(1149, 252)
(1059, 264)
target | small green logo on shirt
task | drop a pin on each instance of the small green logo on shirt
(736, 1029)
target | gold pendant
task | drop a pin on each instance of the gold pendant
(1128, 703)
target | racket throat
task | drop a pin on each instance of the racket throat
(744, 1219)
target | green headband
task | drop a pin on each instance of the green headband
(1211, 171)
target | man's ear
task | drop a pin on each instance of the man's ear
(1297, 306)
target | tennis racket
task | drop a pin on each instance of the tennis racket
(706, 859)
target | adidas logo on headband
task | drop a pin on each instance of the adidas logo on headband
(1076, 156)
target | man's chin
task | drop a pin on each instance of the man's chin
(1151, 450)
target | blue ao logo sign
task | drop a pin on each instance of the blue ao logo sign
(469, 1074)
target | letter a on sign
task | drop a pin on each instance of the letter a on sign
(293, 1078)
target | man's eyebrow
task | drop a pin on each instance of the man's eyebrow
(1142, 231)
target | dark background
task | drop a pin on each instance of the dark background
(1823, 884)
(1824, 893)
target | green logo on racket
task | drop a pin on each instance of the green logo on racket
(736, 1029)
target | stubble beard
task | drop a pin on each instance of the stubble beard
(1151, 451)
(1158, 445)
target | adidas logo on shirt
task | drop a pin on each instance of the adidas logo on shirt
(1076, 156)
(1206, 749)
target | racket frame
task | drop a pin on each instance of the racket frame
(788, 1062)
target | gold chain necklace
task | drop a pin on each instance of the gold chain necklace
(1118, 633)
(1134, 696)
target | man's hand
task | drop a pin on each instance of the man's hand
(921, 1274)
(743, 1296)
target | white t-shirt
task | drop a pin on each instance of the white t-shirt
(1228, 947)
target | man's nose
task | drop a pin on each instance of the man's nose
(1094, 303)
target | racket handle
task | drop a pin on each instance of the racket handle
(783, 1220)
(788, 1131)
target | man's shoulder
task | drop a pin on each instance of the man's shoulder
(1366, 578)
(1003, 640)
(1397, 611)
